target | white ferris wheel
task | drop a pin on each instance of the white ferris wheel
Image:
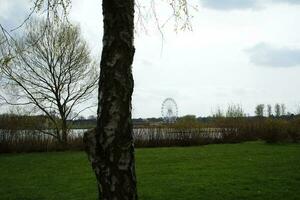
(169, 110)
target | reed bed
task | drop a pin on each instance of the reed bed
(221, 130)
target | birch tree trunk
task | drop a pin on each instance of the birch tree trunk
(110, 146)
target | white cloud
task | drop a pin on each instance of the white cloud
(13, 13)
(265, 55)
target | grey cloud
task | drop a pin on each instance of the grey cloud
(265, 55)
(241, 4)
(229, 4)
(287, 1)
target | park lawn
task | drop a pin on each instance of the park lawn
(253, 170)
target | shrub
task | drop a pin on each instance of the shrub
(187, 132)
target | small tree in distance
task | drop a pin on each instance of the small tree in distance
(218, 113)
(259, 110)
(283, 109)
(235, 111)
(277, 109)
(269, 110)
(55, 75)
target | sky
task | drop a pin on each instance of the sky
(244, 52)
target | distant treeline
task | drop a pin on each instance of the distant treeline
(38, 122)
(186, 131)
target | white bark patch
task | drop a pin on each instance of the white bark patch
(125, 36)
(108, 141)
(109, 129)
(114, 60)
(99, 108)
(114, 180)
(112, 125)
(124, 161)
(121, 79)
(111, 157)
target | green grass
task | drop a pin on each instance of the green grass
(224, 171)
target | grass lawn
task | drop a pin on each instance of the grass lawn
(225, 171)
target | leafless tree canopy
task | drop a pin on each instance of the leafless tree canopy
(180, 11)
(55, 75)
(179, 16)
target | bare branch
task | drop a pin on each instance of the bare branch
(56, 74)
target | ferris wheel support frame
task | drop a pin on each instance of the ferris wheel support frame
(172, 111)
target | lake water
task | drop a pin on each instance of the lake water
(144, 134)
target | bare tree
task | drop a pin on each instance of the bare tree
(259, 110)
(56, 75)
(269, 110)
(283, 109)
(235, 110)
(277, 109)
(218, 113)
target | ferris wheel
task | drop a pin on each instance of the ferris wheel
(169, 110)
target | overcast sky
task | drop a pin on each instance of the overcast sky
(243, 52)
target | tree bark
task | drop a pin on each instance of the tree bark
(64, 131)
(110, 146)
